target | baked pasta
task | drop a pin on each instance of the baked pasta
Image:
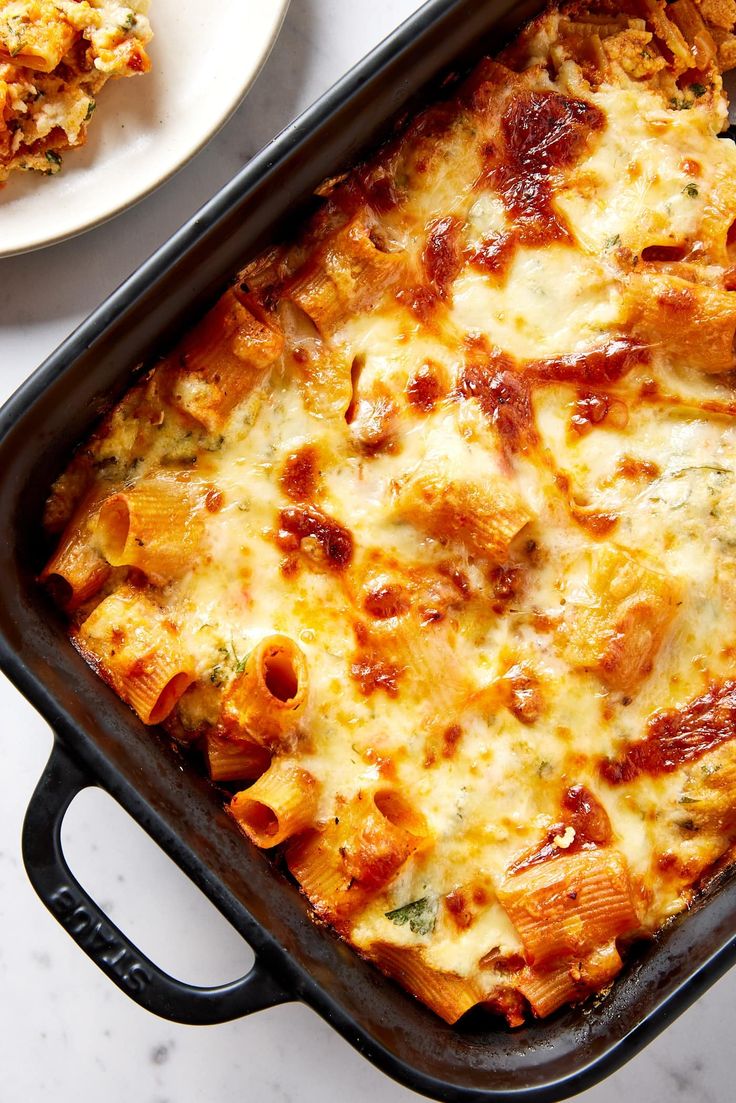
(423, 537)
(55, 56)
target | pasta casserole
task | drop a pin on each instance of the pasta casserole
(55, 56)
(422, 538)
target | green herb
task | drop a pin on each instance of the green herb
(90, 110)
(612, 242)
(53, 157)
(691, 190)
(421, 915)
(680, 104)
(216, 676)
(545, 768)
(129, 22)
(698, 89)
(688, 800)
(238, 664)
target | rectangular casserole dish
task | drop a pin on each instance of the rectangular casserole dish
(100, 742)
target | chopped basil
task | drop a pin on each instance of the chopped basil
(216, 676)
(238, 663)
(612, 242)
(53, 157)
(90, 110)
(421, 915)
(129, 22)
(691, 190)
(680, 104)
(698, 89)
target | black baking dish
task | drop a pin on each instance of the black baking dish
(100, 742)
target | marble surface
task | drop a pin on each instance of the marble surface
(66, 1033)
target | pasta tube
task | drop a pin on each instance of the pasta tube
(136, 649)
(154, 526)
(76, 570)
(268, 698)
(280, 804)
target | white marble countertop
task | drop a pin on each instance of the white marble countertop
(66, 1034)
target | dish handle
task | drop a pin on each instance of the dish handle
(100, 939)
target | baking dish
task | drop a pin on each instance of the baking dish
(100, 742)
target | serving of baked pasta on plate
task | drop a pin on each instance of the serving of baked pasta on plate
(422, 538)
(55, 57)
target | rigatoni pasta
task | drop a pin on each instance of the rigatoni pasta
(234, 757)
(135, 647)
(218, 363)
(421, 540)
(283, 802)
(77, 569)
(154, 526)
(268, 697)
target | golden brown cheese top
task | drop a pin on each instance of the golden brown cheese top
(427, 525)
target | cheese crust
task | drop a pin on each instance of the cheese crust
(423, 539)
(55, 57)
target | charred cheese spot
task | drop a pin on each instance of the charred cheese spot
(542, 132)
(300, 474)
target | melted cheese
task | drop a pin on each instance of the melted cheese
(509, 687)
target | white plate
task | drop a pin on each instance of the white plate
(205, 55)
